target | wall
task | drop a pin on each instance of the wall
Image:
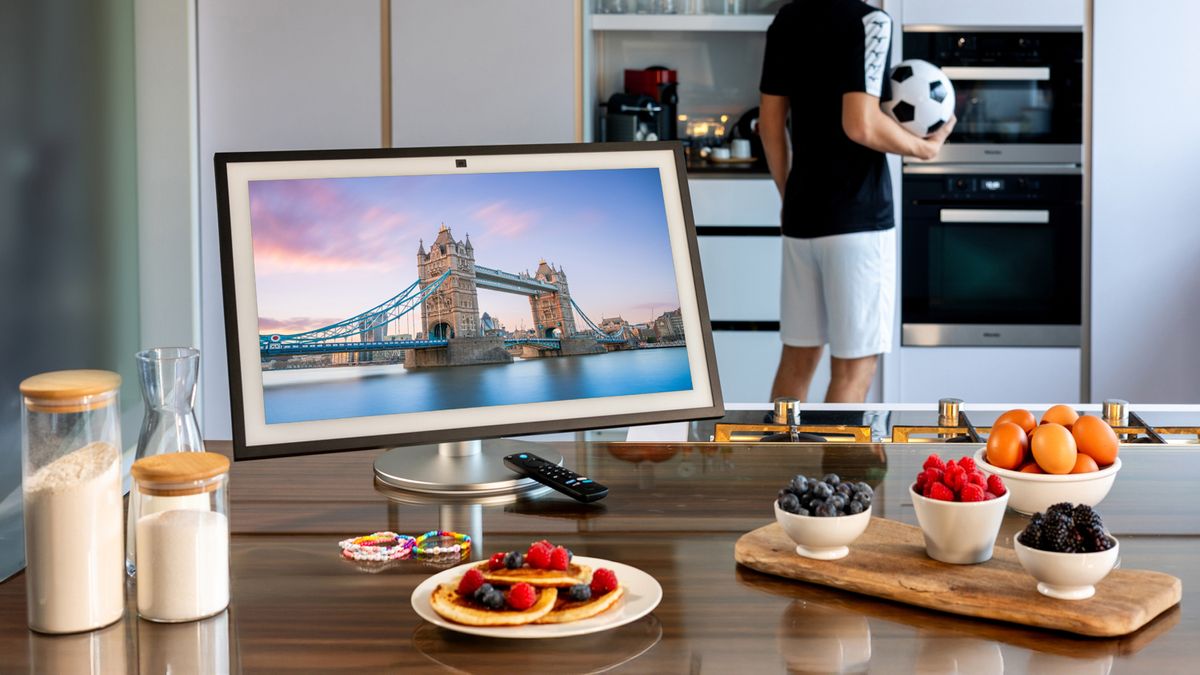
(1145, 205)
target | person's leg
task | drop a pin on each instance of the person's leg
(859, 276)
(801, 320)
(796, 368)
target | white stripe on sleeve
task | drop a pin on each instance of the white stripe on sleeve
(877, 29)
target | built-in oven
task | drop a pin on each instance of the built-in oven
(991, 255)
(1019, 91)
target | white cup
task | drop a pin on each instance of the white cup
(720, 153)
(740, 148)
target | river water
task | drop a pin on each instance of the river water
(358, 391)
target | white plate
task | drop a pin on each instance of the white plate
(642, 595)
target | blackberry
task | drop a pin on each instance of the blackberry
(514, 559)
(579, 592)
(1058, 537)
(822, 490)
(832, 478)
(1096, 539)
(1064, 508)
(789, 503)
(1086, 518)
(1031, 536)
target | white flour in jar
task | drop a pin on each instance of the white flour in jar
(182, 564)
(74, 546)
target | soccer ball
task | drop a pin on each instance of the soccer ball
(922, 97)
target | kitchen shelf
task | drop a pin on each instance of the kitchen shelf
(682, 22)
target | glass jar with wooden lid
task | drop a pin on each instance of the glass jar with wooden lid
(180, 504)
(71, 484)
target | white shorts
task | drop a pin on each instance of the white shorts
(840, 290)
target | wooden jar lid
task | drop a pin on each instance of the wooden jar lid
(65, 390)
(177, 470)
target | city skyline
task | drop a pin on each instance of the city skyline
(326, 249)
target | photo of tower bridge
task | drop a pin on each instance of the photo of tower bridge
(393, 294)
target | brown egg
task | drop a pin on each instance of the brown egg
(1096, 439)
(1084, 464)
(1032, 467)
(1021, 417)
(1007, 445)
(1060, 414)
(1054, 448)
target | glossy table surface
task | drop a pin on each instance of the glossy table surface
(675, 512)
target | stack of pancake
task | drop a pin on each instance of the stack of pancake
(552, 605)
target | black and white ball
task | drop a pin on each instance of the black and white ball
(922, 97)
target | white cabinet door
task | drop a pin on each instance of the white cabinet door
(274, 75)
(735, 201)
(483, 72)
(989, 374)
(989, 12)
(741, 277)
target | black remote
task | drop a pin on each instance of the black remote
(558, 477)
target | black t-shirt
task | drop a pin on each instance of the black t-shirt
(818, 50)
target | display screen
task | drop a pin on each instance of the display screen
(397, 294)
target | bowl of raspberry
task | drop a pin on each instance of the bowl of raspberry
(959, 510)
(1067, 550)
(824, 515)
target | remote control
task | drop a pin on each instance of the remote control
(560, 478)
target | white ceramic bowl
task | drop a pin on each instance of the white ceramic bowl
(960, 533)
(822, 538)
(1034, 492)
(1067, 576)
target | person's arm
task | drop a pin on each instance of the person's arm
(772, 130)
(866, 124)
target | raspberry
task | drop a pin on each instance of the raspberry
(955, 479)
(967, 463)
(996, 486)
(950, 464)
(934, 475)
(543, 542)
(522, 596)
(988, 495)
(976, 478)
(497, 560)
(471, 581)
(603, 581)
(940, 491)
(922, 479)
(928, 488)
(972, 493)
(934, 462)
(538, 556)
(559, 559)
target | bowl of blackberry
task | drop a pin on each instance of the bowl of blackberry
(823, 515)
(1068, 550)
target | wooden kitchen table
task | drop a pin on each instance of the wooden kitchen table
(674, 511)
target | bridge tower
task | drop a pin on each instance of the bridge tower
(453, 309)
(552, 310)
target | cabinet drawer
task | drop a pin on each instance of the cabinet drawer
(741, 277)
(735, 201)
(989, 374)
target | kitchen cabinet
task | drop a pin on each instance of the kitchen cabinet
(989, 12)
(990, 374)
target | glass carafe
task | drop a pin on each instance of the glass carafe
(168, 376)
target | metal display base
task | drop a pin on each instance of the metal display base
(463, 469)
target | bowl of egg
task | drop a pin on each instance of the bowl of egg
(1065, 457)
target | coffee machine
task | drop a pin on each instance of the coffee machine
(646, 110)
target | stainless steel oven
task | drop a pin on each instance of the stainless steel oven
(991, 255)
(1019, 91)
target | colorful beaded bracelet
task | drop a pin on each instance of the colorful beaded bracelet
(462, 543)
(378, 547)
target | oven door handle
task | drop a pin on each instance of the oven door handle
(1040, 74)
(1040, 216)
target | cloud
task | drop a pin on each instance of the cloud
(500, 220)
(313, 226)
(295, 324)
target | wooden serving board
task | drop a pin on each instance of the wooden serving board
(888, 561)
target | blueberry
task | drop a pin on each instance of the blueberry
(804, 512)
(855, 507)
(481, 593)
(814, 505)
(579, 592)
(514, 559)
(494, 599)
(799, 484)
(865, 497)
(789, 503)
(838, 501)
(862, 488)
(822, 490)
(832, 479)
(827, 510)
(784, 491)
(845, 490)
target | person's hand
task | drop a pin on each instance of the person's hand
(939, 137)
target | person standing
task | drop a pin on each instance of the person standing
(827, 63)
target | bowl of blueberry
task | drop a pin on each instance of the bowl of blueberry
(1067, 550)
(823, 515)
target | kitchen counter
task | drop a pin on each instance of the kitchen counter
(674, 511)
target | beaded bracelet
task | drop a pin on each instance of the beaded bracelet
(461, 546)
(378, 547)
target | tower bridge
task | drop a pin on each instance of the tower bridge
(447, 293)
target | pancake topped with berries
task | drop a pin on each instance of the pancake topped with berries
(583, 601)
(543, 565)
(474, 602)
